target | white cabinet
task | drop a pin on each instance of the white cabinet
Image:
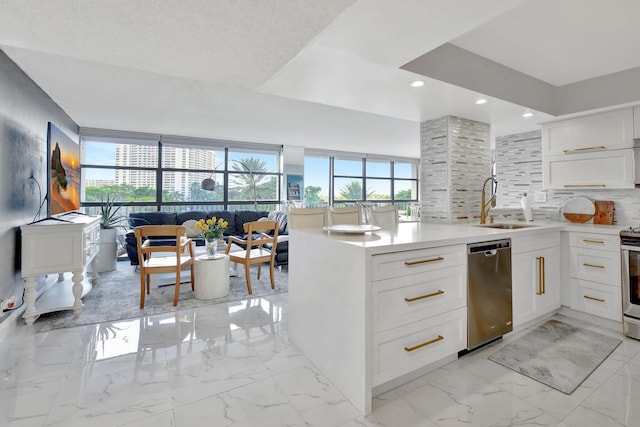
(66, 243)
(612, 130)
(594, 151)
(419, 313)
(373, 317)
(606, 169)
(595, 268)
(536, 276)
(636, 123)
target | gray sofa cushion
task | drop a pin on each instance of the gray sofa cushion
(183, 216)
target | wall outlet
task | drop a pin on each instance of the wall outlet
(541, 196)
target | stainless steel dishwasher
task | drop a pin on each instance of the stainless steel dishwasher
(488, 291)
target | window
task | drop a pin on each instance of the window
(355, 179)
(124, 170)
(152, 175)
(316, 181)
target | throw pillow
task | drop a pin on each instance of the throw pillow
(190, 226)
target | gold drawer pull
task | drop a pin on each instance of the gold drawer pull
(593, 298)
(541, 274)
(600, 242)
(586, 264)
(584, 185)
(424, 344)
(424, 261)
(440, 292)
(578, 150)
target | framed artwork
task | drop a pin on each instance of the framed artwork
(294, 187)
(64, 172)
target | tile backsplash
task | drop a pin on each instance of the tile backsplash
(519, 170)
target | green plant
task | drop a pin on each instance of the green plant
(109, 217)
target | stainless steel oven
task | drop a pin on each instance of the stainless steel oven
(630, 250)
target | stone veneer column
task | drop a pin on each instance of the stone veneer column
(455, 160)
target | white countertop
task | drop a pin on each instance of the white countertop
(411, 235)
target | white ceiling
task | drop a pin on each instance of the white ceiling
(323, 74)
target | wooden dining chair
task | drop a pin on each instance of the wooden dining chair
(260, 247)
(166, 258)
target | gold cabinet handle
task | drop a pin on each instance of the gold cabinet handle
(579, 150)
(440, 292)
(594, 298)
(599, 242)
(586, 264)
(423, 261)
(541, 284)
(584, 185)
(424, 344)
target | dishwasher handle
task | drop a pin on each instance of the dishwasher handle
(489, 248)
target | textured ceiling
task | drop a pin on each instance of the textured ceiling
(325, 73)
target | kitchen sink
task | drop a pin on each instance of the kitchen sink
(507, 226)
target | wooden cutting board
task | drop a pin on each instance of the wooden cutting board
(604, 212)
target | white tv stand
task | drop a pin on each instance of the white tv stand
(63, 243)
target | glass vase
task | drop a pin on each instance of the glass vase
(212, 247)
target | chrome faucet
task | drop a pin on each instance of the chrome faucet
(484, 205)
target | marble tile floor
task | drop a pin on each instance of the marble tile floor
(232, 365)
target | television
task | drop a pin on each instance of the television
(64, 172)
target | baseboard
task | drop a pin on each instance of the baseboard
(11, 322)
(594, 320)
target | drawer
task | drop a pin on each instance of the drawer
(596, 266)
(402, 350)
(597, 299)
(404, 263)
(534, 242)
(407, 299)
(605, 242)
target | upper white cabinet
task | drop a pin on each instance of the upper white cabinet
(590, 134)
(589, 152)
(606, 169)
(636, 123)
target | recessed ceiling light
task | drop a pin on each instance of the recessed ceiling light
(417, 83)
(481, 101)
(527, 114)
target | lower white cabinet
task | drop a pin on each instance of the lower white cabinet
(536, 276)
(595, 274)
(399, 351)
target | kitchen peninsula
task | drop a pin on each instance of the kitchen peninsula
(375, 310)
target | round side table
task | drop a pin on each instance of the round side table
(211, 276)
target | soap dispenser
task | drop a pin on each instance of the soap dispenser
(526, 207)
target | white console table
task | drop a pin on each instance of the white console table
(65, 243)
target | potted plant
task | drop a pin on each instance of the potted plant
(110, 220)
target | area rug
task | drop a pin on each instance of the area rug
(117, 296)
(557, 354)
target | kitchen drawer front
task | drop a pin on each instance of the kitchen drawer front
(597, 299)
(596, 266)
(534, 242)
(403, 263)
(604, 242)
(428, 294)
(442, 335)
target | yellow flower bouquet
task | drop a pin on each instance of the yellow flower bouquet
(212, 228)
